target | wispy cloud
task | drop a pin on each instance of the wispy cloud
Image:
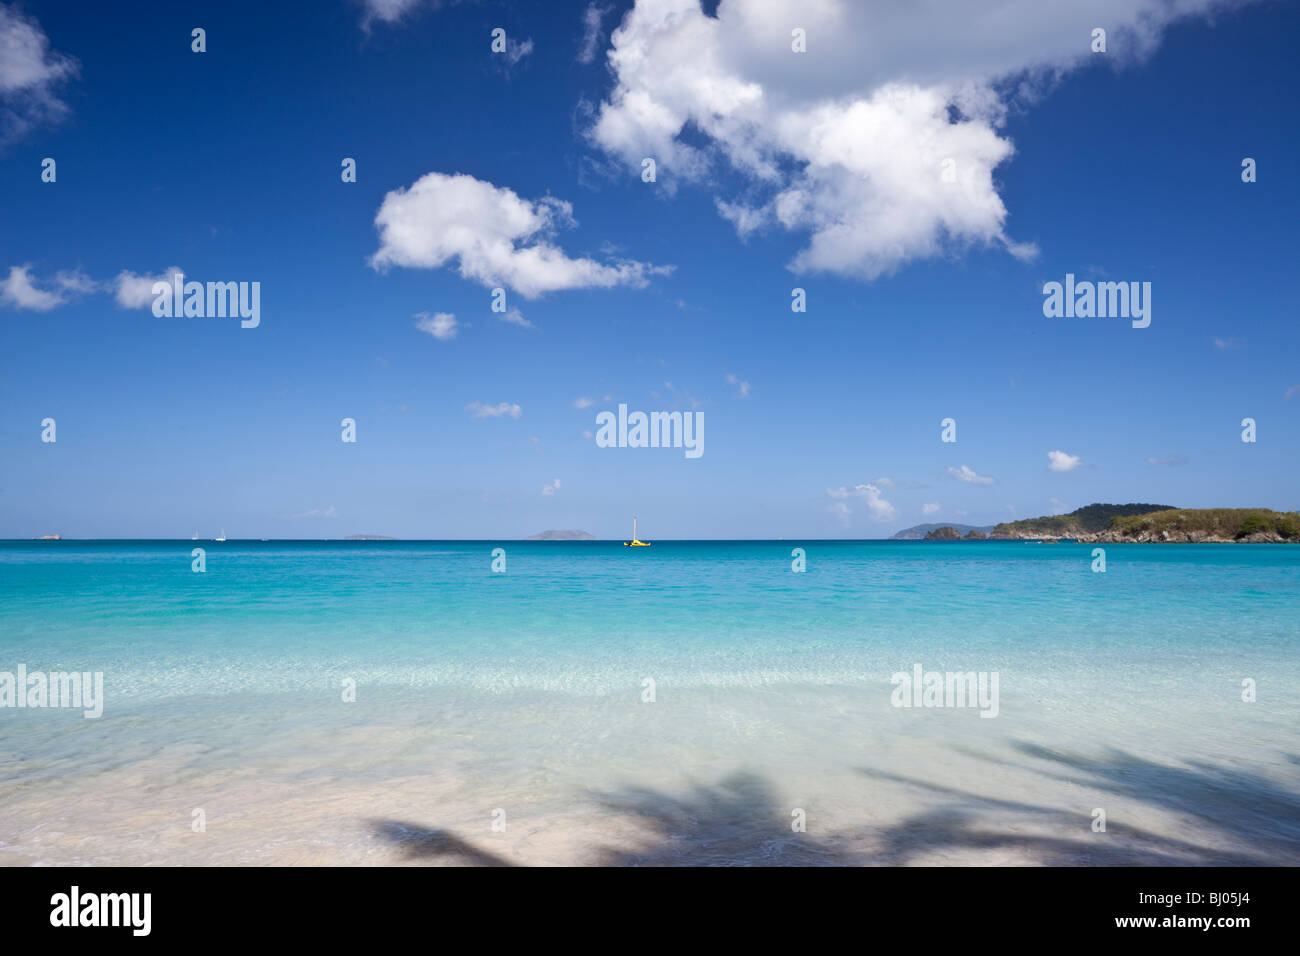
(583, 402)
(386, 11)
(877, 506)
(593, 32)
(75, 282)
(967, 474)
(929, 508)
(318, 513)
(516, 51)
(515, 317)
(552, 488)
(681, 395)
(29, 75)
(742, 388)
(902, 484)
(501, 409)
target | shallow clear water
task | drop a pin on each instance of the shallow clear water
(523, 691)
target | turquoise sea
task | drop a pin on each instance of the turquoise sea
(683, 703)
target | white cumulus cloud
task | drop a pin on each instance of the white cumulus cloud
(135, 291)
(552, 488)
(881, 141)
(494, 237)
(441, 325)
(21, 290)
(1060, 461)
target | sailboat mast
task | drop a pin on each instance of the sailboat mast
(634, 527)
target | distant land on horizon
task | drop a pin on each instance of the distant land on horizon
(1100, 523)
(1089, 519)
(918, 531)
(1149, 523)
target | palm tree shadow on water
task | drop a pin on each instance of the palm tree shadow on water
(741, 822)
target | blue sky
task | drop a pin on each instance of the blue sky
(922, 304)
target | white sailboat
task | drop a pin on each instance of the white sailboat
(223, 535)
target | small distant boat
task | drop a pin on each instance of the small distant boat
(634, 543)
(223, 535)
(196, 536)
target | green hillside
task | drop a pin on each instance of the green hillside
(1226, 523)
(1089, 519)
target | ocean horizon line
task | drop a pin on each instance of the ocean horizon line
(447, 540)
(597, 541)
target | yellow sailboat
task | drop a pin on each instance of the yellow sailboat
(634, 543)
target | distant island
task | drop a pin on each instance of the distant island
(368, 537)
(950, 533)
(1148, 523)
(562, 536)
(917, 532)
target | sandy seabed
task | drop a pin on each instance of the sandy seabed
(700, 777)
